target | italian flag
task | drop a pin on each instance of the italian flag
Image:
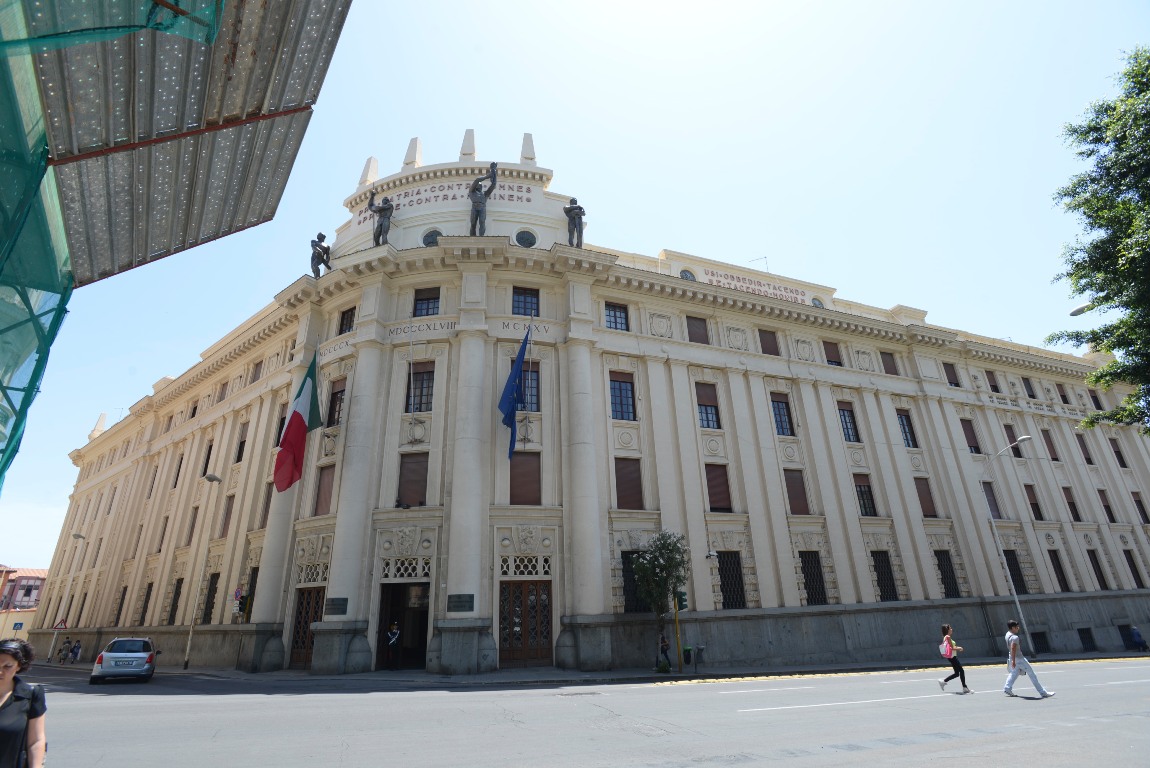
(303, 418)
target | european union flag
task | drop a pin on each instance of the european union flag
(513, 392)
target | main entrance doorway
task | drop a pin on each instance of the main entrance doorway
(525, 624)
(308, 609)
(407, 606)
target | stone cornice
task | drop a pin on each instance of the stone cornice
(1035, 362)
(452, 173)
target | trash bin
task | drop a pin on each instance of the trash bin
(687, 654)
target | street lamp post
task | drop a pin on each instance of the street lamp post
(203, 569)
(64, 602)
(1002, 554)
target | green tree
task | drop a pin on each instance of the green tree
(660, 570)
(1110, 264)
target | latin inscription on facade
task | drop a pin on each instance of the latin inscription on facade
(454, 191)
(435, 325)
(756, 286)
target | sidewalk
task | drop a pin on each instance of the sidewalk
(552, 676)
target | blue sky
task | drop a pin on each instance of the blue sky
(903, 153)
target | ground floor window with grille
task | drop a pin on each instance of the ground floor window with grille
(1134, 572)
(950, 588)
(731, 580)
(1096, 564)
(1014, 568)
(632, 602)
(1059, 571)
(884, 575)
(813, 582)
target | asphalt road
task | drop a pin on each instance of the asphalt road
(1101, 716)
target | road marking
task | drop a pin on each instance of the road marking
(769, 690)
(1131, 666)
(1117, 682)
(845, 703)
(916, 680)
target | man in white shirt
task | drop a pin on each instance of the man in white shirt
(1017, 664)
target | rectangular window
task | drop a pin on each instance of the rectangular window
(813, 583)
(796, 491)
(226, 523)
(833, 353)
(731, 580)
(991, 500)
(708, 403)
(632, 602)
(152, 482)
(884, 574)
(769, 342)
(256, 372)
(525, 301)
(865, 496)
(163, 534)
(120, 607)
(889, 365)
(143, 622)
(529, 382)
(946, 574)
(174, 608)
(1102, 497)
(951, 375)
(1082, 447)
(628, 484)
(697, 331)
(281, 424)
(210, 598)
(221, 391)
(335, 402)
(1059, 571)
(1012, 440)
(324, 484)
(1014, 568)
(179, 466)
(622, 396)
(265, 510)
(427, 302)
(616, 316)
(1049, 440)
(1118, 453)
(1032, 499)
(346, 321)
(207, 458)
(193, 409)
(1068, 494)
(526, 486)
(1062, 394)
(139, 538)
(191, 526)
(971, 437)
(1029, 388)
(412, 480)
(420, 387)
(847, 419)
(781, 407)
(167, 428)
(1096, 564)
(925, 498)
(1094, 399)
(1140, 507)
(718, 488)
(992, 382)
(1132, 564)
(907, 428)
(242, 443)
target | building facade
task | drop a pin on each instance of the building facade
(847, 477)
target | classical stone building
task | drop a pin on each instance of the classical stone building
(841, 471)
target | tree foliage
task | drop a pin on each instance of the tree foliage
(1110, 264)
(661, 569)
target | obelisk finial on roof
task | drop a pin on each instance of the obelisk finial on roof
(99, 428)
(414, 157)
(467, 151)
(370, 172)
(527, 154)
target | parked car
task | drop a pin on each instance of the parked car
(125, 657)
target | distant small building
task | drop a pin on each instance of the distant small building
(20, 590)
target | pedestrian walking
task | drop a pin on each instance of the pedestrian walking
(22, 707)
(1016, 664)
(393, 646)
(950, 650)
(1137, 641)
(76, 651)
(664, 646)
(64, 651)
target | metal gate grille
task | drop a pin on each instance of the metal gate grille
(731, 580)
(308, 609)
(525, 623)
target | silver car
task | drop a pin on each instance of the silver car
(125, 657)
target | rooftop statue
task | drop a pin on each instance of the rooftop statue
(382, 211)
(575, 214)
(479, 201)
(320, 254)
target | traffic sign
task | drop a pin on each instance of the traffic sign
(61, 624)
(17, 625)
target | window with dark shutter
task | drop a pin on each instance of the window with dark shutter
(971, 437)
(1140, 507)
(718, 488)
(1065, 398)
(628, 484)
(833, 353)
(1082, 446)
(1106, 505)
(1011, 440)
(925, 499)
(992, 382)
(1118, 453)
(1059, 571)
(796, 491)
(1099, 573)
(1032, 499)
(526, 486)
(697, 330)
(1068, 494)
(991, 500)
(1094, 399)
(324, 483)
(1029, 387)
(888, 363)
(951, 375)
(769, 342)
(1133, 566)
(1049, 440)
(412, 480)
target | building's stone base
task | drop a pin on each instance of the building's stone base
(462, 647)
(340, 648)
(585, 643)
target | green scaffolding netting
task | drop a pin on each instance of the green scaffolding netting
(50, 26)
